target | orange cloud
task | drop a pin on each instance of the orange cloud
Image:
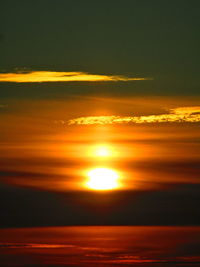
(181, 114)
(55, 76)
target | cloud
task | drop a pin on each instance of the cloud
(181, 114)
(55, 76)
(2, 106)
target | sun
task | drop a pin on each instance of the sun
(102, 179)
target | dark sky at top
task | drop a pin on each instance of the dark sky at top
(158, 39)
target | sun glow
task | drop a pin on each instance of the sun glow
(102, 179)
(102, 151)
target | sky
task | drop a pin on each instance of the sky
(81, 77)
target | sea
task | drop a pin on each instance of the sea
(100, 246)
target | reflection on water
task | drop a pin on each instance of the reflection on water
(100, 246)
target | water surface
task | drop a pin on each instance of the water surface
(100, 246)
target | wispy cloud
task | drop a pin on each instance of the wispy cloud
(55, 76)
(181, 114)
(2, 106)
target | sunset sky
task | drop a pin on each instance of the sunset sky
(99, 112)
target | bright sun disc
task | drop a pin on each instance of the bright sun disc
(102, 179)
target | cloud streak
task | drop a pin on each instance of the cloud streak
(55, 76)
(181, 114)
